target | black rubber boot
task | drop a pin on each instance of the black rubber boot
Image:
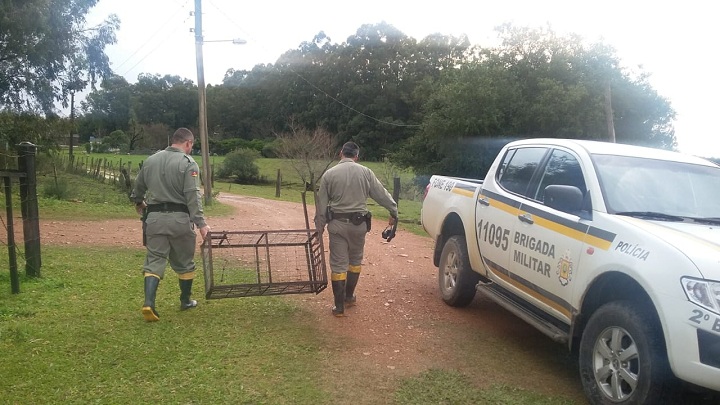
(338, 288)
(185, 293)
(148, 309)
(352, 280)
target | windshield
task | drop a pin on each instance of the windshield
(632, 185)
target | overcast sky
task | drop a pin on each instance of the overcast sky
(673, 41)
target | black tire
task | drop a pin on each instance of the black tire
(456, 279)
(622, 357)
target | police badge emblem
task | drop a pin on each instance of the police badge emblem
(565, 269)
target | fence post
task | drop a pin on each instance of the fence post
(29, 208)
(277, 184)
(12, 255)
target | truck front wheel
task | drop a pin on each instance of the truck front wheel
(622, 357)
(456, 279)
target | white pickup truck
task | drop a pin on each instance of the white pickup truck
(613, 250)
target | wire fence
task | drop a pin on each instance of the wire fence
(103, 170)
(25, 173)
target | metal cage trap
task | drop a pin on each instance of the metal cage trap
(255, 263)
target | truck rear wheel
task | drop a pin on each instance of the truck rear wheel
(456, 279)
(622, 357)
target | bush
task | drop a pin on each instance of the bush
(228, 145)
(58, 189)
(270, 150)
(240, 165)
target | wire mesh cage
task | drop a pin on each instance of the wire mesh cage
(254, 263)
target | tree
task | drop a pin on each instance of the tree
(115, 140)
(168, 99)
(47, 133)
(48, 53)
(109, 106)
(309, 152)
(535, 84)
(135, 131)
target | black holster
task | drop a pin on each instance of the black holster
(368, 220)
(144, 225)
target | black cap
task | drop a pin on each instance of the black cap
(350, 149)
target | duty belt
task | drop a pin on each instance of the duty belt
(345, 215)
(168, 207)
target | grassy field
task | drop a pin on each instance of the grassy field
(107, 203)
(76, 336)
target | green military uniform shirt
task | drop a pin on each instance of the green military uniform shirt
(346, 187)
(171, 176)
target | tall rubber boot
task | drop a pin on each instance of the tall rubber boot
(148, 309)
(338, 287)
(353, 276)
(185, 292)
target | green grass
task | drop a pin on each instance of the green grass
(291, 189)
(76, 335)
(451, 387)
(88, 200)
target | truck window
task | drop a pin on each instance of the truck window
(519, 167)
(562, 169)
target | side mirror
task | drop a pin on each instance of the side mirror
(564, 198)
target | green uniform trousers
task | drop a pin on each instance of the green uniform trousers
(347, 244)
(170, 237)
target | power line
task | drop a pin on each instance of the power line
(180, 8)
(351, 108)
(152, 50)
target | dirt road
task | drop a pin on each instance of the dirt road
(400, 326)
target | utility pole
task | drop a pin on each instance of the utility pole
(72, 124)
(202, 111)
(609, 113)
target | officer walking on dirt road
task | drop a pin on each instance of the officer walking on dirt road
(342, 205)
(167, 193)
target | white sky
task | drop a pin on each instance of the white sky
(673, 41)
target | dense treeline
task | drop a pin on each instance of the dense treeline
(435, 105)
(438, 105)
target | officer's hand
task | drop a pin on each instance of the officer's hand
(392, 220)
(204, 231)
(140, 207)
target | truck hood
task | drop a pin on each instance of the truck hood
(699, 242)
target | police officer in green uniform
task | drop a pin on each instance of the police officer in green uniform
(167, 188)
(342, 206)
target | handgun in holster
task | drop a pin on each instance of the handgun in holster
(143, 218)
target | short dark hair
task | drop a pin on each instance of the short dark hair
(350, 150)
(182, 135)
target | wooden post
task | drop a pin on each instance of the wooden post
(277, 184)
(14, 279)
(29, 208)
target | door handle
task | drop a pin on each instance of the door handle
(527, 218)
(483, 201)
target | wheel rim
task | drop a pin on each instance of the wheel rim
(450, 272)
(616, 364)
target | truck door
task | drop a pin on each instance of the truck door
(498, 206)
(546, 243)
